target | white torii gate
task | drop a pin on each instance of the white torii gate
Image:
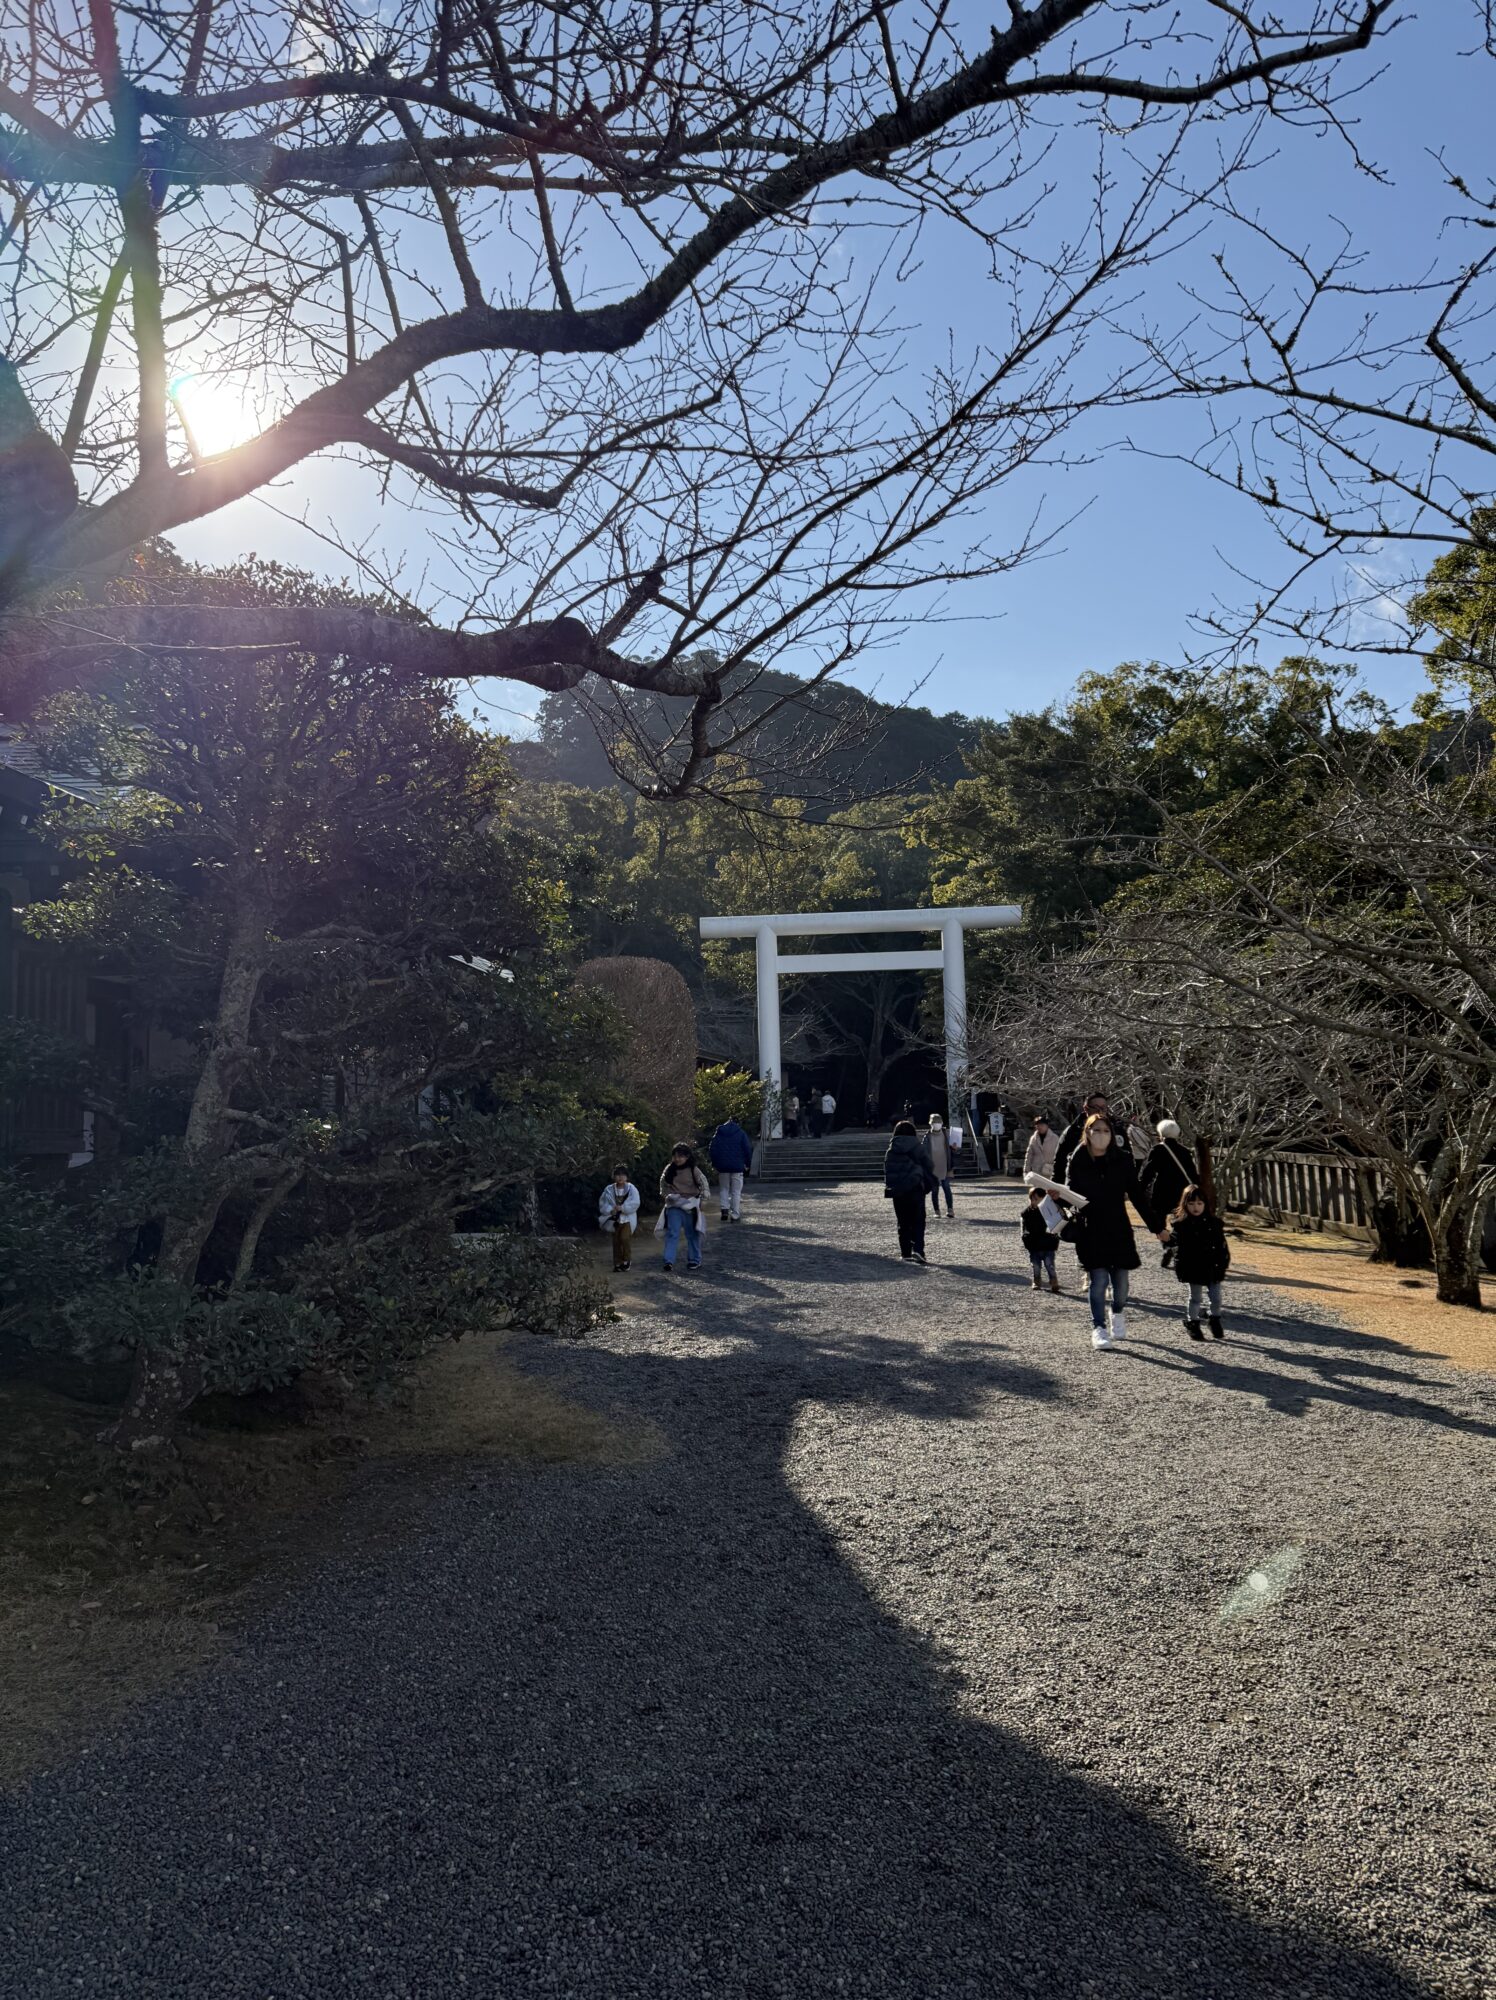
(949, 959)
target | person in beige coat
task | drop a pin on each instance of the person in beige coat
(1043, 1145)
(940, 1158)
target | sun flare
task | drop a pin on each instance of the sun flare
(215, 413)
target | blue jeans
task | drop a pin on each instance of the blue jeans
(1044, 1262)
(1119, 1282)
(950, 1200)
(682, 1222)
(1197, 1301)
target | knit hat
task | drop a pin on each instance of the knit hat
(1167, 1129)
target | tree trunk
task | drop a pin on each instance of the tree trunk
(1401, 1233)
(1457, 1255)
(162, 1386)
(166, 1378)
(249, 1244)
(1205, 1161)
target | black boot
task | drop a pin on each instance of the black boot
(1192, 1328)
(1217, 1331)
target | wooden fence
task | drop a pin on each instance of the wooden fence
(1312, 1187)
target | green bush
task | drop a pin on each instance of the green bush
(653, 1141)
(387, 1304)
(723, 1092)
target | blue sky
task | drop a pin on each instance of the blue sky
(1152, 542)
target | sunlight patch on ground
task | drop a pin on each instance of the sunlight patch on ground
(1265, 1585)
(1313, 1270)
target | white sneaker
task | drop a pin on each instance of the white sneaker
(1100, 1339)
(1119, 1326)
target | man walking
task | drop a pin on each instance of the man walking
(828, 1110)
(732, 1156)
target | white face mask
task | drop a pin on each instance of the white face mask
(935, 1125)
(1099, 1141)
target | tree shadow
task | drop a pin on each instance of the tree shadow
(1295, 1395)
(629, 1731)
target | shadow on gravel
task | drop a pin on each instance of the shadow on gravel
(1325, 1382)
(611, 1734)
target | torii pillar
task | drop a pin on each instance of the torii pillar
(950, 959)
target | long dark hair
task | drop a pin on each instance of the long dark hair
(1191, 1193)
(904, 1129)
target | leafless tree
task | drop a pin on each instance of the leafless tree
(1364, 954)
(1351, 394)
(1332, 982)
(1127, 1015)
(581, 277)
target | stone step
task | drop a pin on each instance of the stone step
(841, 1156)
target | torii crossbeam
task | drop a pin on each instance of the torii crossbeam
(949, 958)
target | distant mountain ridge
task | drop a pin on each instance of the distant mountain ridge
(830, 741)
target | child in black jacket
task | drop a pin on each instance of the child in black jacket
(1202, 1257)
(1039, 1240)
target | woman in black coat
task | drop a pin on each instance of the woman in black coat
(1169, 1169)
(1107, 1176)
(1202, 1257)
(907, 1179)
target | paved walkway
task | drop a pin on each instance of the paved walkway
(935, 1655)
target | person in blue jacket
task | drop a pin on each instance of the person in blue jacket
(732, 1156)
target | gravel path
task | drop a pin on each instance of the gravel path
(923, 1662)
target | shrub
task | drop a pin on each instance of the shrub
(658, 1053)
(722, 1093)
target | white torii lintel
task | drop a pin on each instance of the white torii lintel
(949, 959)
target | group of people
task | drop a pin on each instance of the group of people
(684, 1194)
(1080, 1183)
(817, 1113)
(919, 1166)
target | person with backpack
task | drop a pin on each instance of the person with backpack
(1202, 1257)
(907, 1179)
(1169, 1169)
(732, 1156)
(1107, 1176)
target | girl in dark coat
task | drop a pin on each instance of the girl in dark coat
(907, 1179)
(1169, 1169)
(1107, 1176)
(1202, 1257)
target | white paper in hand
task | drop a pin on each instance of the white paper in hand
(1053, 1214)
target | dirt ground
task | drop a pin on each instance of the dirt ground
(116, 1578)
(1374, 1298)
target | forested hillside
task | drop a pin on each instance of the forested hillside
(833, 739)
